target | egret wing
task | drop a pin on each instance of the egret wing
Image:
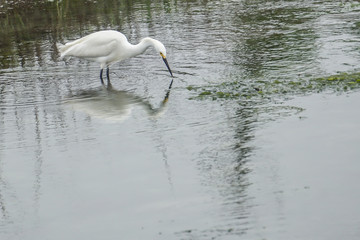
(91, 48)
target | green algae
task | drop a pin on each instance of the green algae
(338, 83)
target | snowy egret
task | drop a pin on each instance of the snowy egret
(108, 47)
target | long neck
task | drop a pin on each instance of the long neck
(140, 47)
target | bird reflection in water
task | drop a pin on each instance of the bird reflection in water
(115, 105)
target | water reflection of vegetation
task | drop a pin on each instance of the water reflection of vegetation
(274, 38)
(25, 24)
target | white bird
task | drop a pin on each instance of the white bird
(108, 47)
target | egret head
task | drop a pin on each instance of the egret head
(160, 48)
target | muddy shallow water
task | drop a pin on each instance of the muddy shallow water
(79, 160)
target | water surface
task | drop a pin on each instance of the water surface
(79, 160)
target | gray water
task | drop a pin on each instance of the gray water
(79, 160)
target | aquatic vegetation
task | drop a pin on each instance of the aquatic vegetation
(341, 82)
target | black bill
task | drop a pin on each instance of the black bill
(167, 65)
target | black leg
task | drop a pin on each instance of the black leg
(101, 78)
(107, 75)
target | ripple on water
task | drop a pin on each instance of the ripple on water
(67, 144)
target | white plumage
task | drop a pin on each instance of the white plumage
(108, 47)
